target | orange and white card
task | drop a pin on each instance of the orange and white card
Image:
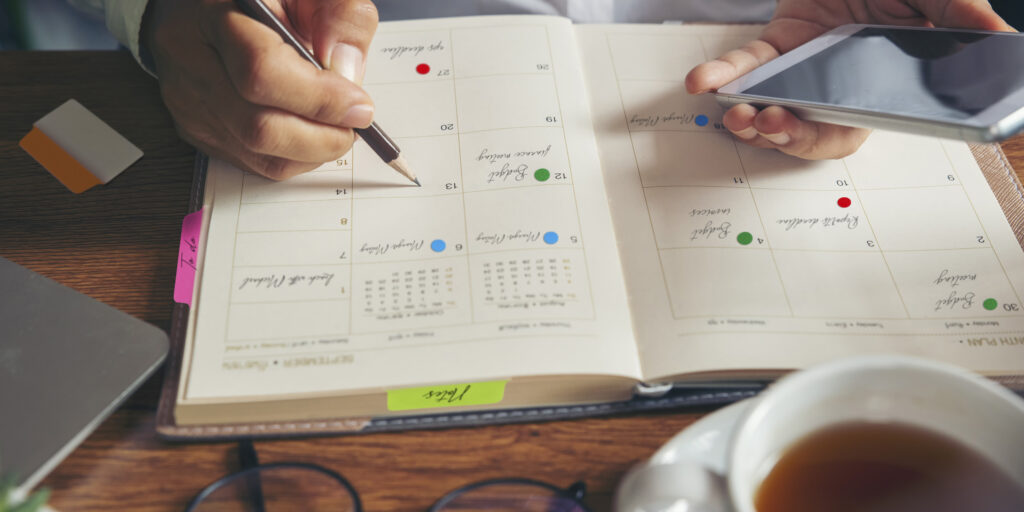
(78, 148)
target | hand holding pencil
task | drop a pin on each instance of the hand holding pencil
(237, 90)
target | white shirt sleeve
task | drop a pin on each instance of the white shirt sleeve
(123, 18)
(587, 11)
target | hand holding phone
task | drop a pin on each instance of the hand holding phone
(798, 21)
(965, 84)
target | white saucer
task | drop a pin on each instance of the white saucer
(704, 442)
(688, 471)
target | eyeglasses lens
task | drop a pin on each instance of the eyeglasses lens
(279, 489)
(501, 497)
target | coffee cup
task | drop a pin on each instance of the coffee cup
(881, 391)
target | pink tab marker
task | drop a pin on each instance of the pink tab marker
(188, 255)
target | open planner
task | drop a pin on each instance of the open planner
(586, 230)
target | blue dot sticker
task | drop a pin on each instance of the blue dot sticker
(701, 120)
(550, 238)
(437, 245)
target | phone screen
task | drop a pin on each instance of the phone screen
(938, 74)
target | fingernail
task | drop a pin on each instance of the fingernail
(779, 139)
(747, 133)
(348, 61)
(358, 116)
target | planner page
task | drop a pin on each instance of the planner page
(503, 264)
(739, 258)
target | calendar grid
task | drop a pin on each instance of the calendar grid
(386, 348)
(658, 113)
(881, 250)
(636, 163)
(395, 295)
(984, 230)
(351, 240)
(462, 180)
(569, 168)
(764, 229)
(240, 341)
(716, 248)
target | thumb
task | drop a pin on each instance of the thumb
(713, 74)
(339, 31)
(968, 14)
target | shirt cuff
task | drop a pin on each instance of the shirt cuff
(124, 21)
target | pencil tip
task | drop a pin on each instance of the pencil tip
(417, 182)
(399, 164)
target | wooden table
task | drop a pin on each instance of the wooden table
(117, 243)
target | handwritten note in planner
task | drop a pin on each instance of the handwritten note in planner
(350, 272)
(899, 244)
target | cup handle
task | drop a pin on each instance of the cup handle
(672, 487)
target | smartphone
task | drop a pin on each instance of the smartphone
(961, 84)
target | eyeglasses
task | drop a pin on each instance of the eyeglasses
(287, 486)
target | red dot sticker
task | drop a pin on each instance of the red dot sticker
(844, 202)
(423, 69)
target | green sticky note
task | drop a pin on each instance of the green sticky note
(447, 395)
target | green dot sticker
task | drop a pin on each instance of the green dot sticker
(744, 238)
(989, 304)
(542, 174)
